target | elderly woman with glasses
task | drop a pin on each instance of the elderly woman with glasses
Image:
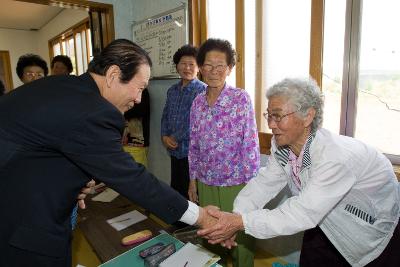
(345, 193)
(224, 149)
(31, 67)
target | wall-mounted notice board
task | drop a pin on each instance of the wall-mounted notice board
(161, 36)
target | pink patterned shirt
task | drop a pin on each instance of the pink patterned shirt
(224, 149)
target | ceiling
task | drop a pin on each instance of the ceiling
(17, 15)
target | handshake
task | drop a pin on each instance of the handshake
(219, 227)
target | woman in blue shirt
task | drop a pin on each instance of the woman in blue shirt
(175, 118)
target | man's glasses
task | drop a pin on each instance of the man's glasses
(218, 68)
(277, 117)
(34, 74)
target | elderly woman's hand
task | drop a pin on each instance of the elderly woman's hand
(224, 230)
(192, 192)
(170, 142)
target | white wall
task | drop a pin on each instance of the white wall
(18, 43)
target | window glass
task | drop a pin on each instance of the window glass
(89, 38)
(84, 50)
(287, 42)
(250, 48)
(56, 49)
(332, 76)
(79, 60)
(378, 104)
(222, 26)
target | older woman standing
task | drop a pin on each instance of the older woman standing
(61, 65)
(224, 150)
(345, 193)
(31, 67)
(175, 118)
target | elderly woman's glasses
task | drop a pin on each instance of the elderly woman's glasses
(34, 74)
(218, 68)
(277, 117)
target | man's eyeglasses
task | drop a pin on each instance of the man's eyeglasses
(34, 74)
(218, 68)
(277, 117)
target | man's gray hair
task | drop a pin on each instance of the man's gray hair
(303, 94)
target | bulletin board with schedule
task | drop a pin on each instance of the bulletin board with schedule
(161, 36)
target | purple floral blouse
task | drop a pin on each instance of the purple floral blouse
(224, 149)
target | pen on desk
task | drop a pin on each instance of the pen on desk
(127, 219)
(186, 264)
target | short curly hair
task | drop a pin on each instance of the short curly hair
(186, 50)
(64, 60)
(302, 93)
(221, 45)
(30, 60)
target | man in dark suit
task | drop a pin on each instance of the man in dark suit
(58, 132)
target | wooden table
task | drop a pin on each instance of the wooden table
(105, 240)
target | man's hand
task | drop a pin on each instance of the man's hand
(192, 191)
(205, 220)
(226, 227)
(86, 190)
(170, 142)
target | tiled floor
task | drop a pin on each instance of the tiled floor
(83, 254)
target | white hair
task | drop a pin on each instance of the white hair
(302, 93)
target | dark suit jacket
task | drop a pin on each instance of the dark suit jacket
(55, 134)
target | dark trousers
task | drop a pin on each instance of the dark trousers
(180, 175)
(317, 250)
(180, 180)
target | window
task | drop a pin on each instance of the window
(361, 78)
(74, 43)
(342, 44)
(378, 103)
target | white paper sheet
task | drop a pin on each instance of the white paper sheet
(191, 256)
(107, 195)
(127, 219)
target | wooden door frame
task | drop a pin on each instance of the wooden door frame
(5, 60)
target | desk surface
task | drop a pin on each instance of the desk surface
(105, 240)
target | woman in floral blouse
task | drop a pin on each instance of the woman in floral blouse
(224, 149)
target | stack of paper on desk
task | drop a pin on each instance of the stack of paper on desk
(107, 195)
(126, 220)
(191, 256)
